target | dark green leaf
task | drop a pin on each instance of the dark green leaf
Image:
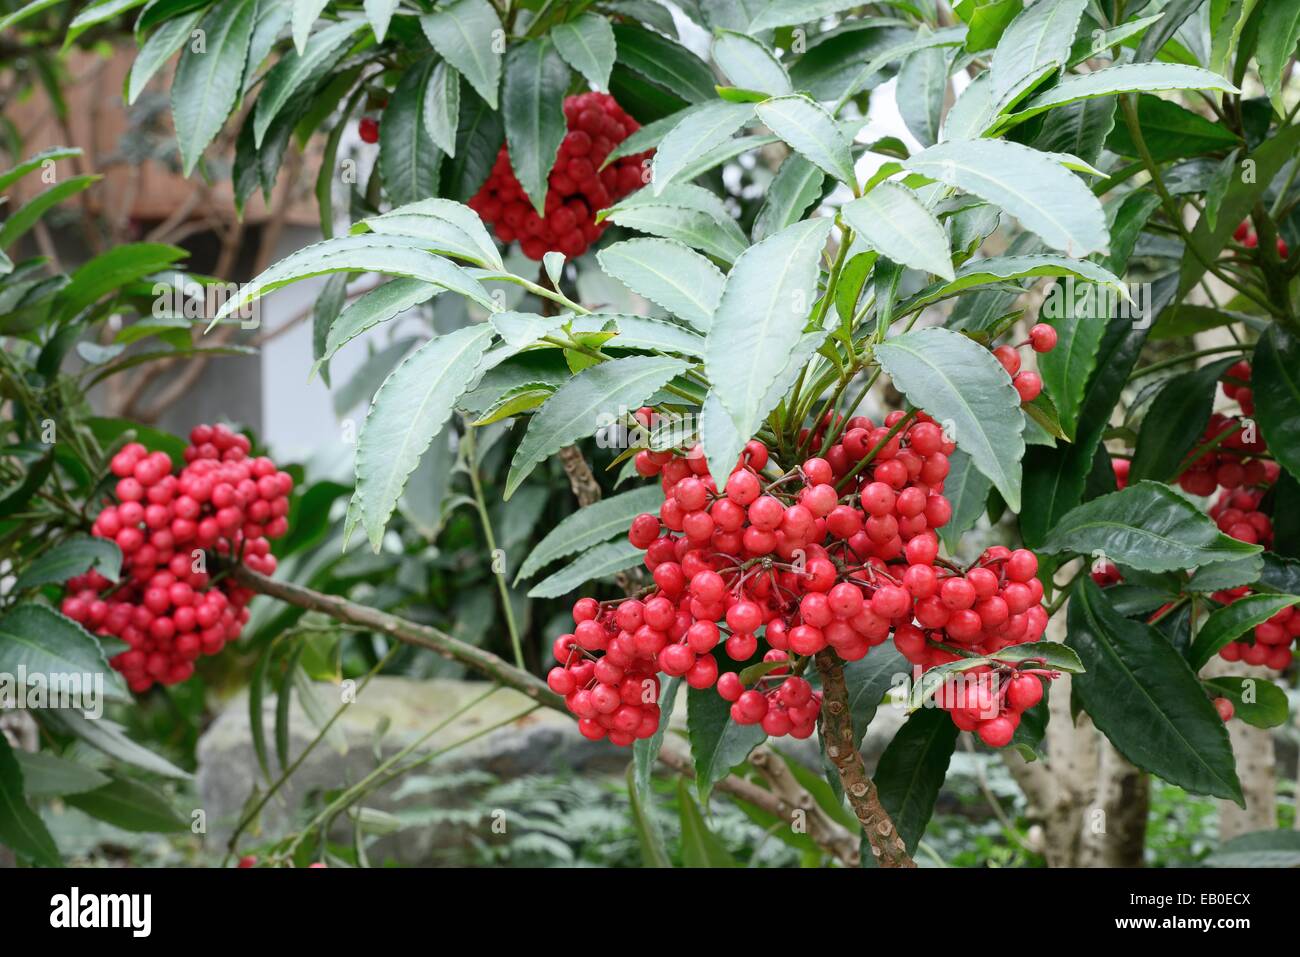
(912, 769)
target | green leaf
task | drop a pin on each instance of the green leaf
(157, 50)
(760, 317)
(1171, 132)
(393, 255)
(664, 62)
(645, 751)
(295, 70)
(1259, 703)
(1080, 128)
(920, 91)
(445, 226)
(73, 556)
(1002, 269)
(574, 411)
(1258, 849)
(749, 64)
(642, 332)
(1036, 43)
(1125, 78)
(686, 213)
(1055, 478)
(700, 848)
(699, 131)
(718, 744)
(374, 307)
(465, 34)
(1052, 654)
(590, 526)
(111, 270)
(533, 106)
(785, 13)
(797, 185)
(99, 12)
(602, 561)
(868, 680)
(20, 827)
(27, 215)
(1275, 380)
(108, 737)
(587, 45)
(911, 771)
(1047, 198)
(410, 408)
(1175, 421)
(669, 275)
(1230, 622)
(1066, 369)
(953, 378)
(967, 489)
(46, 775)
(1145, 698)
(25, 11)
(987, 21)
(892, 220)
(305, 13)
(1279, 31)
(442, 107)
(1146, 526)
(131, 806)
(653, 852)
(379, 13)
(1207, 241)
(407, 157)
(811, 131)
(207, 84)
(45, 643)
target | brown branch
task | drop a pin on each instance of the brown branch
(837, 734)
(409, 632)
(581, 479)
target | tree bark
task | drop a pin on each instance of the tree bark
(837, 735)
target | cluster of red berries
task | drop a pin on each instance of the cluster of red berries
(167, 607)
(578, 187)
(1223, 462)
(990, 700)
(1029, 384)
(1245, 235)
(838, 553)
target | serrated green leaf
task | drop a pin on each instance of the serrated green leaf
(892, 220)
(1230, 622)
(74, 556)
(669, 274)
(760, 317)
(603, 560)
(465, 33)
(573, 412)
(952, 378)
(811, 131)
(587, 45)
(207, 84)
(410, 408)
(533, 107)
(590, 526)
(1146, 526)
(1275, 381)
(699, 131)
(1048, 199)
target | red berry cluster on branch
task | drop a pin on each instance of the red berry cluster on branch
(1225, 460)
(1029, 384)
(578, 187)
(990, 701)
(167, 606)
(838, 553)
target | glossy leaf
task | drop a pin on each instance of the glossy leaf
(465, 35)
(952, 378)
(668, 274)
(892, 220)
(1145, 698)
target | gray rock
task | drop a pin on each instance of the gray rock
(391, 714)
